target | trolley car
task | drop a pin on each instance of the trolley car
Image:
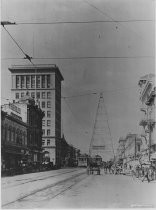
(83, 160)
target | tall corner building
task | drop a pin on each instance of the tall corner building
(42, 82)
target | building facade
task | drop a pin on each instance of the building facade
(43, 83)
(13, 141)
(129, 151)
(69, 154)
(121, 148)
(22, 129)
(34, 116)
(64, 152)
(132, 146)
(148, 108)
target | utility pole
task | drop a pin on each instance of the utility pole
(135, 148)
(149, 141)
(149, 127)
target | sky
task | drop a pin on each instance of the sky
(117, 78)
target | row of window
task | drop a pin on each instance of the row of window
(11, 134)
(39, 95)
(43, 104)
(44, 133)
(47, 114)
(44, 123)
(48, 142)
(29, 81)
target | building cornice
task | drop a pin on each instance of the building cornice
(47, 68)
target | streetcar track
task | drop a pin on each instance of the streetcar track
(42, 189)
(35, 179)
(68, 188)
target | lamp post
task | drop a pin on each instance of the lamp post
(149, 154)
(150, 129)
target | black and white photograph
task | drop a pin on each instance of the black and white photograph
(78, 88)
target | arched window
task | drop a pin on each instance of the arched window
(14, 136)
(30, 138)
(9, 133)
(3, 133)
(6, 132)
(35, 138)
(21, 138)
(24, 138)
(17, 136)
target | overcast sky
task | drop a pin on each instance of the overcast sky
(117, 77)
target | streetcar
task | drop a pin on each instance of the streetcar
(83, 160)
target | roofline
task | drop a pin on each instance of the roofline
(54, 67)
(147, 77)
(33, 66)
(15, 119)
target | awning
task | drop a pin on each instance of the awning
(153, 156)
(145, 160)
(14, 152)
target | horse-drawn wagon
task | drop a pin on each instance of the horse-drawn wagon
(94, 165)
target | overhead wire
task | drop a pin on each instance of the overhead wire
(91, 93)
(113, 20)
(84, 22)
(75, 96)
(14, 41)
(72, 58)
(72, 113)
(26, 55)
(94, 92)
(85, 57)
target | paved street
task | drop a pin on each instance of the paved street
(18, 187)
(73, 188)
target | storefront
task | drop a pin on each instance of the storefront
(12, 156)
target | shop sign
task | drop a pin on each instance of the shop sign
(153, 156)
(15, 108)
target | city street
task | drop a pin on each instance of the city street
(78, 104)
(73, 188)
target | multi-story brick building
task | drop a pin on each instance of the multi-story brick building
(42, 82)
(21, 132)
(13, 141)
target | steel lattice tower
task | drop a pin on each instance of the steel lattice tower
(101, 141)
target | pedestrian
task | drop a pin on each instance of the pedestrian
(146, 175)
